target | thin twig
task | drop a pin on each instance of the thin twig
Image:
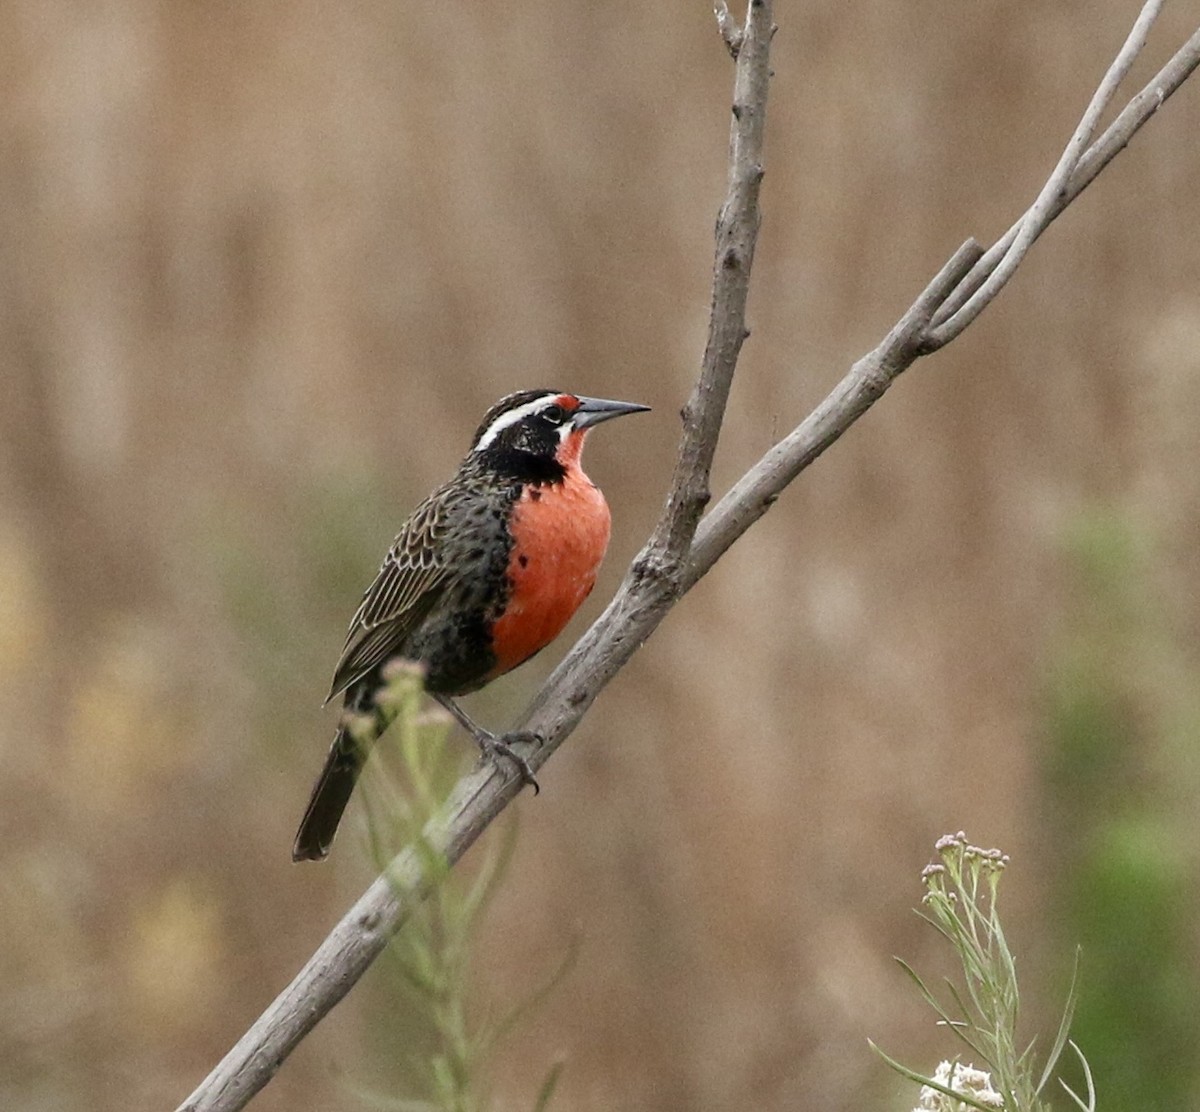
(1156, 93)
(736, 235)
(1049, 201)
(646, 594)
(1114, 140)
(731, 33)
(756, 491)
(759, 487)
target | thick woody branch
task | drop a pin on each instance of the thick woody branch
(679, 554)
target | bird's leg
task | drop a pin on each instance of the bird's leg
(490, 744)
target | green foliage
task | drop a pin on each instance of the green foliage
(961, 903)
(1120, 781)
(443, 1042)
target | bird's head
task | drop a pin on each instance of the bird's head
(542, 431)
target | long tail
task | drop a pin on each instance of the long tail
(330, 795)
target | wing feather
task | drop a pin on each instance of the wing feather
(412, 578)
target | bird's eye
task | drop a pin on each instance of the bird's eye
(555, 414)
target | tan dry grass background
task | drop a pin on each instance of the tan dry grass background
(265, 264)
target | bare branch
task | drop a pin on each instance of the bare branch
(756, 491)
(679, 553)
(1099, 155)
(1001, 262)
(1114, 140)
(1118, 134)
(731, 33)
(736, 235)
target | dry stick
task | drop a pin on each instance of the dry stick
(646, 595)
(736, 235)
(1039, 216)
(757, 490)
(727, 25)
(949, 321)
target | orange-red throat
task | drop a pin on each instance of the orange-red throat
(560, 534)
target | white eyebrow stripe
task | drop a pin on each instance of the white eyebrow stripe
(507, 420)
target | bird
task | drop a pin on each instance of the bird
(483, 575)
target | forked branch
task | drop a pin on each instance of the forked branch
(683, 547)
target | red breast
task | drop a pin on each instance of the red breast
(560, 534)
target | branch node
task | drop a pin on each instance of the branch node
(731, 34)
(651, 567)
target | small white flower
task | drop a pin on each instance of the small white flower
(973, 1083)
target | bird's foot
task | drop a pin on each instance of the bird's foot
(492, 747)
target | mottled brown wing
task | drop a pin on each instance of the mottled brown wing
(410, 582)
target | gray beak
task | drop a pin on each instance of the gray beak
(592, 411)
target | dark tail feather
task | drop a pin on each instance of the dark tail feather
(329, 798)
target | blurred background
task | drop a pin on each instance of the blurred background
(264, 267)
